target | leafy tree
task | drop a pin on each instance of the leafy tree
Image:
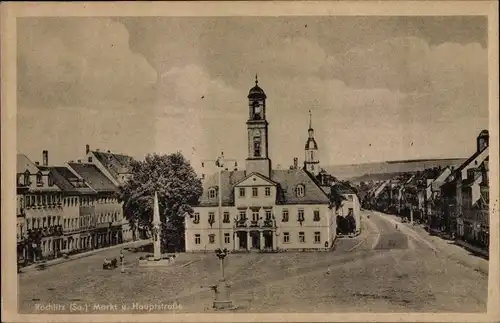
(336, 199)
(178, 187)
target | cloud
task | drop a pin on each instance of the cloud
(383, 93)
(79, 62)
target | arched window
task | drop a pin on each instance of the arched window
(212, 193)
(256, 111)
(256, 144)
(300, 190)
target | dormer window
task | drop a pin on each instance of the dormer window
(26, 178)
(212, 193)
(51, 181)
(300, 190)
(39, 180)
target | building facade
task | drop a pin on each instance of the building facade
(260, 208)
(42, 203)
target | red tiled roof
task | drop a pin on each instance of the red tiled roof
(287, 182)
(93, 177)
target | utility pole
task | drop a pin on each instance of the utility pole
(222, 289)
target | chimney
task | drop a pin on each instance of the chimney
(295, 163)
(87, 149)
(37, 163)
(45, 158)
(79, 161)
(109, 151)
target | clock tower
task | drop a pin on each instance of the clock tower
(257, 126)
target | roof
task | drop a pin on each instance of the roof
(93, 177)
(311, 144)
(67, 181)
(24, 163)
(115, 163)
(287, 181)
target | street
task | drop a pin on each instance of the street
(382, 270)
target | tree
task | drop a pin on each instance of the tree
(336, 199)
(178, 188)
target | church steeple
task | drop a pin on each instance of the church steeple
(257, 127)
(311, 162)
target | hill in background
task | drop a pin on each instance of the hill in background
(386, 170)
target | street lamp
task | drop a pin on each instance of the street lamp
(221, 290)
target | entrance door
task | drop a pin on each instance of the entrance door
(255, 240)
(243, 240)
(268, 239)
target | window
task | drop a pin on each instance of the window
(51, 180)
(316, 215)
(27, 224)
(256, 145)
(268, 215)
(196, 219)
(243, 215)
(211, 217)
(255, 191)
(350, 211)
(300, 190)
(285, 216)
(268, 191)
(90, 159)
(48, 221)
(211, 238)
(39, 180)
(242, 192)
(227, 238)
(226, 217)
(197, 239)
(27, 178)
(255, 216)
(302, 237)
(212, 193)
(286, 237)
(317, 237)
(300, 215)
(349, 197)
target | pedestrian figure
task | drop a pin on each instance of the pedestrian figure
(396, 226)
(327, 271)
(122, 257)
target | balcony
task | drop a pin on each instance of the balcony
(241, 223)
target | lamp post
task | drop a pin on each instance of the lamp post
(221, 290)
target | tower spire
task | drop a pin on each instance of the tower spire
(256, 79)
(310, 119)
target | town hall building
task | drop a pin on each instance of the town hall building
(262, 208)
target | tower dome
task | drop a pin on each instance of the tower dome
(256, 92)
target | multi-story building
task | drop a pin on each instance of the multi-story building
(42, 208)
(260, 208)
(103, 213)
(464, 177)
(434, 203)
(118, 169)
(78, 204)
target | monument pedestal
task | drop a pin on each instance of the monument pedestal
(222, 298)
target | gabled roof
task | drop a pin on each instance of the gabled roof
(115, 163)
(469, 160)
(93, 177)
(66, 180)
(286, 180)
(25, 164)
(256, 174)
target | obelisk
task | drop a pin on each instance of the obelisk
(156, 229)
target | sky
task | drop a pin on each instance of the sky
(379, 88)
